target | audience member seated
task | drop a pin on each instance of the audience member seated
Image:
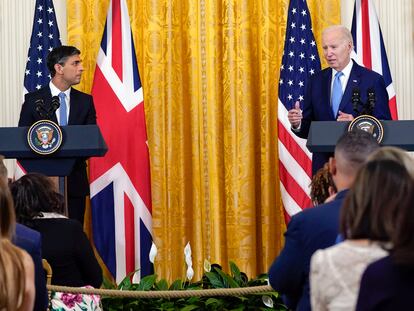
(388, 284)
(64, 244)
(381, 189)
(30, 241)
(17, 290)
(322, 186)
(317, 228)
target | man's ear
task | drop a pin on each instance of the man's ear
(332, 166)
(58, 68)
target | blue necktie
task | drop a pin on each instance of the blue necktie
(62, 112)
(336, 93)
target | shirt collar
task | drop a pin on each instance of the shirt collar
(55, 91)
(346, 71)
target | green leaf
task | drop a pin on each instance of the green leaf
(227, 279)
(176, 285)
(215, 280)
(147, 282)
(126, 282)
(235, 272)
(190, 307)
(213, 303)
(161, 285)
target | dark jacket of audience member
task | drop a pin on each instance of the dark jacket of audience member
(30, 241)
(317, 228)
(64, 244)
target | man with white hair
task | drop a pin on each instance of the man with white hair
(330, 92)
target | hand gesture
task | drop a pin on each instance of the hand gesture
(295, 115)
(342, 116)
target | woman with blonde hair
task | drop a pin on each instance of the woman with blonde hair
(17, 291)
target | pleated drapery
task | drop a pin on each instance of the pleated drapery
(209, 71)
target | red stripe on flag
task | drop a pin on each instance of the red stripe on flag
(366, 36)
(392, 103)
(129, 224)
(292, 187)
(133, 156)
(285, 137)
(116, 39)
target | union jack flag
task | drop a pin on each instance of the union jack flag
(300, 60)
(45, 37)
(370, 48)
(120, 181)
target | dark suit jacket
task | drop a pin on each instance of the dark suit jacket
(30, 241)
(386, 286)
(317, 103)
(82, 112)
(69, 252)
(312, 229)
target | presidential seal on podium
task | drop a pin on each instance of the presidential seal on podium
(44, 137)
(368, 124)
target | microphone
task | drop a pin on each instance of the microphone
(356, 100)
(55, 103)
(370, 101)
(40, 107)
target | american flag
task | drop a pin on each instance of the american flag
(45, 37)
(120, 181)
(300, 61)
(369, 46)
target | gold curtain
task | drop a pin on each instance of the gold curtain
(209, 71)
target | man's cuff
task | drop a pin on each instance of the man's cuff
(296, 130)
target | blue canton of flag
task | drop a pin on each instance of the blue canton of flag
(300, 56)
(45, 37)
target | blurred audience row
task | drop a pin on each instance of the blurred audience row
(355, 249)
(33, 226)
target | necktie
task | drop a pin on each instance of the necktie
(62, 110)
(336, 93)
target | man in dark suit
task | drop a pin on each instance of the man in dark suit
(76, 108)
(30, 241)
(323, 103)
(317, 228)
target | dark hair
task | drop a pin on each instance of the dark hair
(381, 189)
(33, 194)
(320, 184)
(59, 55)
(403, 236)
(354, 147)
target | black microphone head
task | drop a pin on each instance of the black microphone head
(356, 100)
(356, 92)
(38, 102)
(55, 103)
(39, 106)
(371, 93)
